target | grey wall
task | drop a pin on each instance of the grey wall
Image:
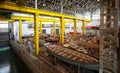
(4, 35)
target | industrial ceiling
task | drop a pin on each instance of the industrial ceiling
(72, 7)
(66, 6)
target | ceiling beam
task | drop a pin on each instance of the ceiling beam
(15, 8)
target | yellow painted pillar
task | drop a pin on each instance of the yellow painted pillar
(40, 28)
(51, 32)
(20, 30)
(12, 30)
(75, 28)
(83, 27)
(36, 35)
(54, 23)
(62, 28)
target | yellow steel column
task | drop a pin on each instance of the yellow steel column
(62, 26)
(83, 27)
(51, 32)
(20, 30)
(75, 28)
(40, 28)
(12, 30)
(54, 23)
(36, 35)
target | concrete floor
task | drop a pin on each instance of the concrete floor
(11, 63)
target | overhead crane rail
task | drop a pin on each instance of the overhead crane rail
(9, 6)
(40, 19)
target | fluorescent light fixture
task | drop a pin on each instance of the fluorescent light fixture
(98, 0)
